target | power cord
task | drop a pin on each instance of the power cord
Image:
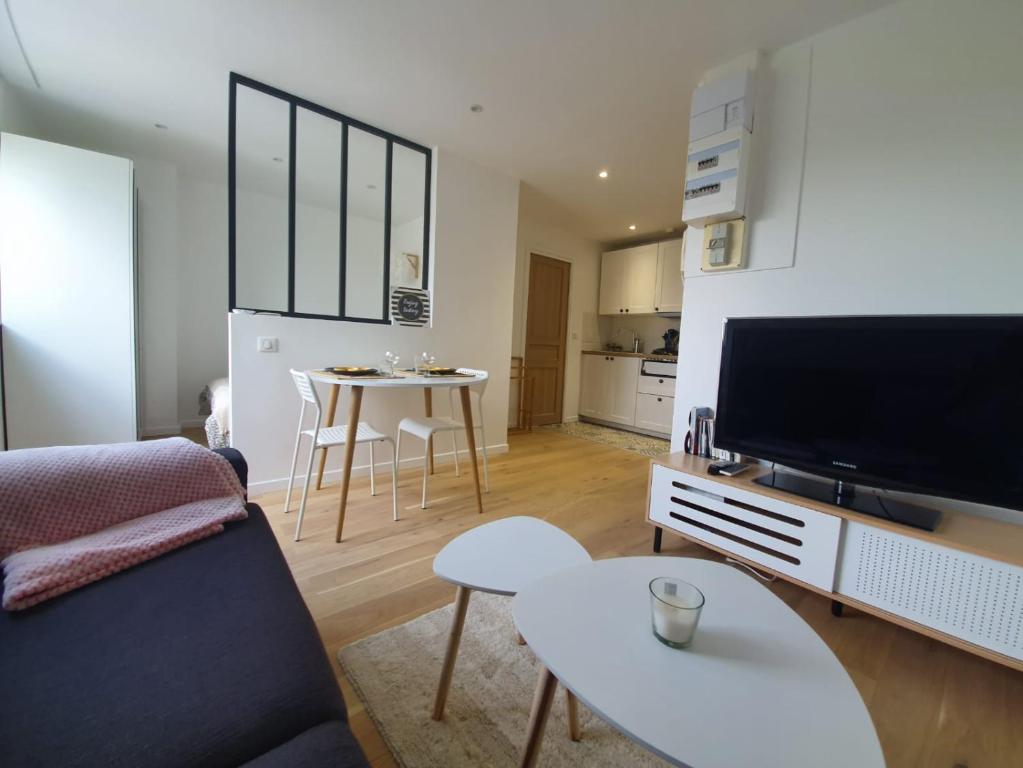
(884, 508)
(754, 571)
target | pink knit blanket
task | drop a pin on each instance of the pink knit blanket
(72, 515)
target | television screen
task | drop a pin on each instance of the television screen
(932, 404)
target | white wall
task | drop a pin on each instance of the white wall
(157, 184)
(364, 271)
(201, 316)
(912, 183)
(14, 115)
(537, 234)
(649, 328)
(406, 238)
(474, 239)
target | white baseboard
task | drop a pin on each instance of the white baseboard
(168, 431)
(191, 423)
(570, 419)
(362, 470)
(625, 427)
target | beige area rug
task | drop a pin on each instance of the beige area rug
(617, 438)
(395, 673)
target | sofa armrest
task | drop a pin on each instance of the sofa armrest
(238, 464)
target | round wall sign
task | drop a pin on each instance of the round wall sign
(410, 306)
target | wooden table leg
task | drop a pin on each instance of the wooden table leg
(331, 409)
(546, 686)
(572, 705)
(346, 469)
(461, 604)
(470, 437)
(428, 403)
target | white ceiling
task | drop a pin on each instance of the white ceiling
(567, 86)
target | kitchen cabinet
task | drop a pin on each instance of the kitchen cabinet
(654, 412)
(593, 390)
(668, 292)
(642, 280)
(628, 391)
(609, 388)
(621, 396)
(628, 281)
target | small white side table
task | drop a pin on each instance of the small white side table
(501, 558)
(757, 687)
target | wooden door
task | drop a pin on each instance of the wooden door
(546, 327)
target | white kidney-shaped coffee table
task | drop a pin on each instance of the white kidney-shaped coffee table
(757, 687)
(501, 558)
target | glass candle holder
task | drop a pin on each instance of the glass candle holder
(675, 607)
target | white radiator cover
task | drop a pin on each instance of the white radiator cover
(970, 597)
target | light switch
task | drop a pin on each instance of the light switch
(266, 344)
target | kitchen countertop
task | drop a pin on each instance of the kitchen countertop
(644, 355)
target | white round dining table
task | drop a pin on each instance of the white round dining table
(400, 380)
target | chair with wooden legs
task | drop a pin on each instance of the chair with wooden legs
(328, 437)
(426, 427)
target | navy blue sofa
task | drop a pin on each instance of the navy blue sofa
(206, 656)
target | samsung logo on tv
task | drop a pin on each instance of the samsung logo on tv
(845, 464)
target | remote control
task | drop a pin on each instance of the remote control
(727, 468)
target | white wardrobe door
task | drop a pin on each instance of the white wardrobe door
(67, 292)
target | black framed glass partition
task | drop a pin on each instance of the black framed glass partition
(325, 213)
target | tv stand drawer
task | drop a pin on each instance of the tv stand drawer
(799, 542)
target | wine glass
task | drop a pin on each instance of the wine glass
(426, 360)
(392, 360)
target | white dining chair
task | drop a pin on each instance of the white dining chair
(328, 437)
(427, 426)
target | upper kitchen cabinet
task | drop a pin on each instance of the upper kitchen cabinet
(642, 280)
(628, 281)
(669, 276)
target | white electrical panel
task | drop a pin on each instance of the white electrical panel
(717, 162)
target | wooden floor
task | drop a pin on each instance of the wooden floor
(934, 706)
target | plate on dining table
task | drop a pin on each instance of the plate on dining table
(439, 371)
(352, 370)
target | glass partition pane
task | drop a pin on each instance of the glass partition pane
(261, 201)
(317, 213)
(364, 229)
(408, 209)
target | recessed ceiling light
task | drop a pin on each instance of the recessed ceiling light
(476, 108)
(278, 159)
(632, 227)
(602, 174)
(161, 126)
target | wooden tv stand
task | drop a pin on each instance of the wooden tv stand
(961, 583)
